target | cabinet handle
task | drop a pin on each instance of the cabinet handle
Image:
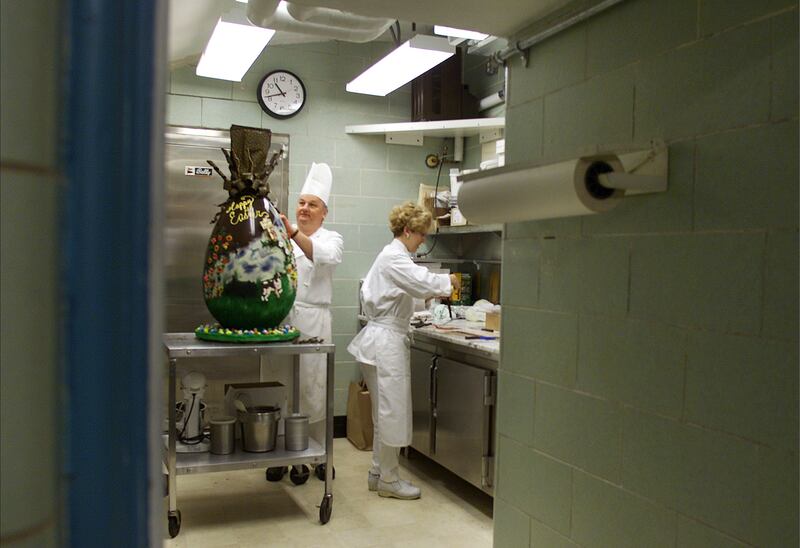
(432, 395)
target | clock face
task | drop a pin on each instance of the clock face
(281, 94)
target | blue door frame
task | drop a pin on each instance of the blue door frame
(107, 129)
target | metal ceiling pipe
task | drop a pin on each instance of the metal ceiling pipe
(327, 23)
(521, 46)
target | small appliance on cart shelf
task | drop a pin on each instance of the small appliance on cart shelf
(186, 346)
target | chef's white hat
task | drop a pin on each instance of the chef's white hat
(318, 182)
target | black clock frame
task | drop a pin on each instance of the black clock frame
(264, 106)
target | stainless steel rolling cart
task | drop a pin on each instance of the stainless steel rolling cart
(182, 346)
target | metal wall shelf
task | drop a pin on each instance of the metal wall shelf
(470, 229)
(413, 133)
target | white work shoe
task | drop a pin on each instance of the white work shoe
(372, 480)
(399, 489)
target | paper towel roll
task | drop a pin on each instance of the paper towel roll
(511, 194)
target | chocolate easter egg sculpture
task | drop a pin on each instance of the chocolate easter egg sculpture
(249, 275)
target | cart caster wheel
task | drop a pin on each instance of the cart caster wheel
(276, 473)
(325, 509)
(174, 524)
(319, 471)
(299, 475)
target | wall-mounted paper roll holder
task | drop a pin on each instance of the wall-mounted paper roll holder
(595, 182)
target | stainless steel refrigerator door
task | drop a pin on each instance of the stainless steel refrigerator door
(462, 418)
(191, 201)
(422, 363)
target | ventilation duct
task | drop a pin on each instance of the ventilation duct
(323, 23)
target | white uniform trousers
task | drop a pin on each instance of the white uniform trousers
(385, 459)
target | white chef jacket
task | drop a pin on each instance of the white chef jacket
(388, 294)
(312, 316)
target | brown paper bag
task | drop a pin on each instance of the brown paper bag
(359, 416)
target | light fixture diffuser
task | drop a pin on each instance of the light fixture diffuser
(233, 47)
(460, 33)
(406, 62)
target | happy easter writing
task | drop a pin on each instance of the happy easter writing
(243, 211)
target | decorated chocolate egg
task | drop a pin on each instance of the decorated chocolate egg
(249, 275)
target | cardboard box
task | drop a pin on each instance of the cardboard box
(493, 321)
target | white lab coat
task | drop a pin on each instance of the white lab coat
(312, 316)
(388, 294)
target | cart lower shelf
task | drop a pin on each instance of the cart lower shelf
(191, 463)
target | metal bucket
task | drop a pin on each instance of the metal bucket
(259, 428)
(296, 432)
(222, 442)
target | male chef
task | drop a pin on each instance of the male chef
(317, 251)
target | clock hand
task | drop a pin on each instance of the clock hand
(275, 95)
(279, 89)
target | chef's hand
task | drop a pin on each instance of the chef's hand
(291, 230)
(455, 281)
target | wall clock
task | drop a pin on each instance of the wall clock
(281, 94)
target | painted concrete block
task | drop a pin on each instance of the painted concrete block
(29, 389)
(776, 498)
(515, 407)
(354, 265)
(30, 83)
(781, 287)
(603, 275)
(398, 185)
(747, 179)
(346, 181)
(184, 81)
(361, 151)
(598, 111)
(220, 114)
(524, 131)
(345, 320)
(715, 84)
(744, 385)
(551, 492)
(521, 263)
(699, 473)
(412, 158)
(559, 275)
(605, 515)
(553, 64)
(717, 15)
(784, 66)
(637, 30)
(513, 472)
(544, 537)
(306, 149)
(550, 350)
(578, 429)
(362, 210)
(568, 227)
(693, 534)
(638, 363)
(711, 280)
(511, 526)
(345, 292)
(183, 110)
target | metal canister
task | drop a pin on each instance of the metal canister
(259, 428)
(222, 435)
(296, 432)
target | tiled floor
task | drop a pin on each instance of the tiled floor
(240, 509)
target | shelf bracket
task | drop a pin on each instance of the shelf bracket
(412, 138)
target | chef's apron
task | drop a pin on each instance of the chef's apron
(384, 343)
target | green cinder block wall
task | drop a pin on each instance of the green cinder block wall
(369, 176)
(648, 391)
(31, 188)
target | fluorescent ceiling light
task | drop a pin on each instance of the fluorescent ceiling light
(450, 31)
(406, 62)
(233, 47)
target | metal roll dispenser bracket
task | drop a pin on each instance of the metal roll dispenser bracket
(645, 171)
